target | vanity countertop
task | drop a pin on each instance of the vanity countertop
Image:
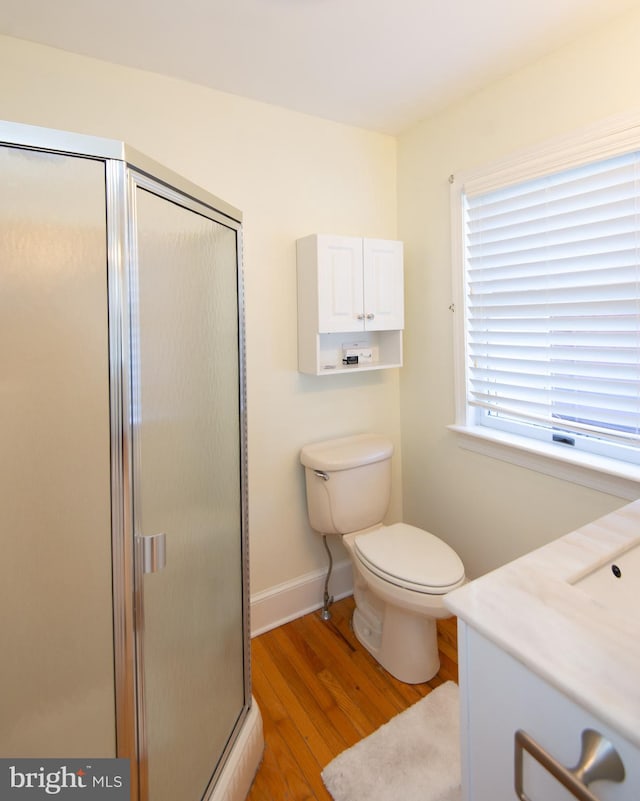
(584, 647)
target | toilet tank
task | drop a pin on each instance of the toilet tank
(348, 482)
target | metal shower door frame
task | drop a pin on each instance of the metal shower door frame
(124, 169)
(132, 688)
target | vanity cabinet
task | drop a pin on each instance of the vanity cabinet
(500, 696)
(350, 297)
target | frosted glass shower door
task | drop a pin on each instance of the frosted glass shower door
(187, 484)
(56, 616)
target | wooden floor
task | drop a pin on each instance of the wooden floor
(319, 692)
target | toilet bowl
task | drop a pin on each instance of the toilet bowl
(401, 573)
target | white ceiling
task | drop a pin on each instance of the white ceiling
(368, 63)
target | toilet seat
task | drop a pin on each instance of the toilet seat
(410, 557)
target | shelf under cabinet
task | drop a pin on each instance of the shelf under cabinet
(323, 352)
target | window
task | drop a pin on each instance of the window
(548, 268)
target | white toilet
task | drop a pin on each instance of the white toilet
(400, 573)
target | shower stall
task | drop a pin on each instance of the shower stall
(123, 469)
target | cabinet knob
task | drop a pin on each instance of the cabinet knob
(370, 316)
(360, 316)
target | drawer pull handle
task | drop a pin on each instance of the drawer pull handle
(599, 760)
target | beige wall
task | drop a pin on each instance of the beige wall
(490, 511)
(291, 175)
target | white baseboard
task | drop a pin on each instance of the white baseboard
(285, 602)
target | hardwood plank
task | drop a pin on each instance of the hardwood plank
(282, 770)
(282, 681)
(318, 702)
(287, 761)
(354, 689)
(319, 691)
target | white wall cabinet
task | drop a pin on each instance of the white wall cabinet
(350, 293)
(500, 696)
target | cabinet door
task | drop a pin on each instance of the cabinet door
(340, 290)
(383, 285)
(499, 697)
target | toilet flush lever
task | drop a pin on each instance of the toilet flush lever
(321, 474)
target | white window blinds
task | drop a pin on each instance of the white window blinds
(553, 309)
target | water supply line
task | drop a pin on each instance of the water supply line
(326, 614)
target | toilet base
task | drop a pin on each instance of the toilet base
(404, 643)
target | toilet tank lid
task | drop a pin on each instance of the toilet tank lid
(346, 452)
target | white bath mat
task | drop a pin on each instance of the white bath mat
(413, 757)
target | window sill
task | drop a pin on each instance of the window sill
(596, 472)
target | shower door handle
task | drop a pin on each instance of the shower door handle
(152, 552)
